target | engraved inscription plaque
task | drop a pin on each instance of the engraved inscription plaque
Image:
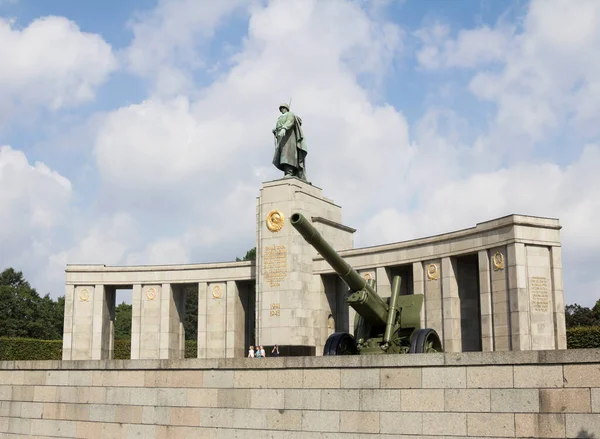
(538, 289)
(275, 264)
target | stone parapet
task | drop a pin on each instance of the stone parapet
(538, 358)
(542, 394)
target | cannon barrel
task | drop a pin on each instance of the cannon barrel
(364, 299)
(354, 280)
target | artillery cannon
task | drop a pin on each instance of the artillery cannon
(381, 326)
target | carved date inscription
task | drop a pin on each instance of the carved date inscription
(275, 264)
(274, 309)
(538, 288)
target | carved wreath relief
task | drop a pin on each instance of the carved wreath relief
(217, 291)
(275, 220)
(498, 261)
(151, 293)
(432, 272)
(84, 295)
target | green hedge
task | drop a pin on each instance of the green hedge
(14, 349)
(191, 348)
(122, 350)
(17, 349)
(583, 337)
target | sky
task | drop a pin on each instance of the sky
(139, 132)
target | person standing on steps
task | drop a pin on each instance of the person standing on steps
(275, 351)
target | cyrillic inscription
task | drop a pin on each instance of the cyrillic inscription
(538, 289)
(275, 264)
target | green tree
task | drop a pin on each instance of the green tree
(596, 309)
(190, 323)
(250, 255)
(23, 313)
(123, 321)
(577, 315)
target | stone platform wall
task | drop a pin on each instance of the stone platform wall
(510, 394)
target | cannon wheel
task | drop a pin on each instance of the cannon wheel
(340, 343)
(425, 341)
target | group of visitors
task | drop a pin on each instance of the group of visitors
(260, 352)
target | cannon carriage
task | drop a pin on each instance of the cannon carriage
(382, 325)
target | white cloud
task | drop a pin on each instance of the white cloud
(50, 63)
(471, 48)
(570, 193)
(544, 76)
(181, 169)
(31, 196)
(203, 146)
(188, 144)
(162, 251)
(34, 203)
(169, 41)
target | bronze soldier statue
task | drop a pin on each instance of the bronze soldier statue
(290, 148)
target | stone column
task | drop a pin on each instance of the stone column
(419, 288)
(518, 296)
(384, 286)
(216, 320)
(451, 307)
(235, 338)
(485, 299)
(136, 321)
(147, 302)
(433, 296)
(560, 331)
(345, 314)
(540, 293)
(202, 320)
(68, 322)
(171, 323)
(102, 322)
(329, 304)
(83, 315)
(500, 298)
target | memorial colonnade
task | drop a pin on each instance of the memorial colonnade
(496, 286)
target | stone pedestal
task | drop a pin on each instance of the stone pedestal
(291, 310)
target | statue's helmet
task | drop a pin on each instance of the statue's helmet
(284, 105)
